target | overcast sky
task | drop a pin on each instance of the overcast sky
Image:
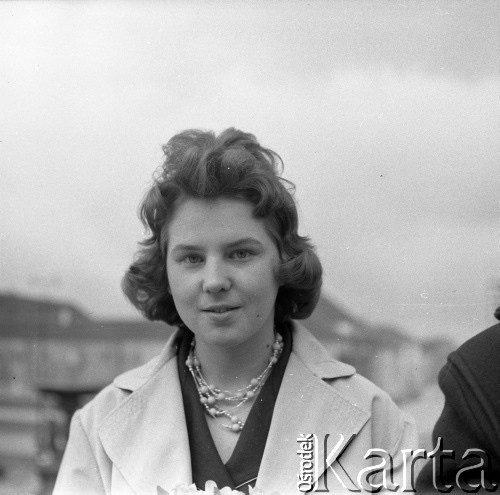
(386, 115)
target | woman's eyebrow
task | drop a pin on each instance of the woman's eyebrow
(231, 245)
(186, 247)
(246, 241)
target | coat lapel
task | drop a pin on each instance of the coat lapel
(146, 435)
(307, 404)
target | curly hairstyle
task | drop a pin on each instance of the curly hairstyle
(233, 164)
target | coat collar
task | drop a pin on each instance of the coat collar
(134, 379)
(316, 358)
(146, 433)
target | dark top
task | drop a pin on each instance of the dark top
(242, 468)
(470, 381)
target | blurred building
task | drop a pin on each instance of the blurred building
(53, 345)
(386, 355)
(53, 358)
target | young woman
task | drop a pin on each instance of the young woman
(240, 383)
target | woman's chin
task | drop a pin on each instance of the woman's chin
(222, 335)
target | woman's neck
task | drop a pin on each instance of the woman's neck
(232, 368)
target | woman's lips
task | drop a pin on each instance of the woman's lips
(220, 309)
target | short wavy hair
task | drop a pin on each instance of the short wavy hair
(233, 164)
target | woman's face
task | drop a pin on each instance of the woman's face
(221, 266)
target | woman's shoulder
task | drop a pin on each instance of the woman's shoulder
(122, 387)
(389, 424)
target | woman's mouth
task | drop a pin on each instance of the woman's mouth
(219, 309)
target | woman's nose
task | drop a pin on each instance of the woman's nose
(216, 277)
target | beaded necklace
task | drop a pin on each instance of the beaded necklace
(211, 397)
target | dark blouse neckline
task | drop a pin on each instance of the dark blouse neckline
(242, 468)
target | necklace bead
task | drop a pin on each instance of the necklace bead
(210, 395)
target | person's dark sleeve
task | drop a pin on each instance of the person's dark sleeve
(470, 381)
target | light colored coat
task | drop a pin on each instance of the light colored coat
(133, 438)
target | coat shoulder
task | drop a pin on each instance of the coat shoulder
(394, 428)
(360, 390)
(106, 401)
(390, 428)
(123, 386)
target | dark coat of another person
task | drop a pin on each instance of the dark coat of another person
(470, 381)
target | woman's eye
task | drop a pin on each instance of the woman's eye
(192, 259)
(241, 254)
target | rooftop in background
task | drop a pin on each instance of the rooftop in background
(329, 322)
(25, 317)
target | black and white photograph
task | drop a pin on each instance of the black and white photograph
(249, 247)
